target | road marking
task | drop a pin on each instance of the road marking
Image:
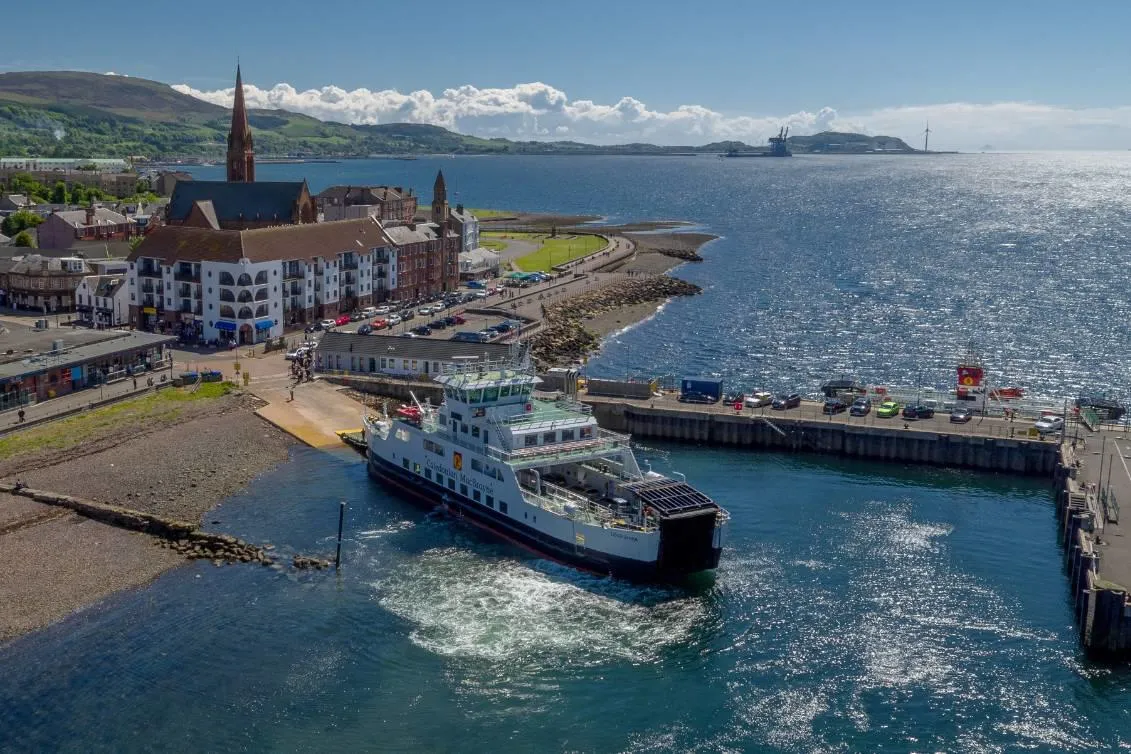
(1121, 460)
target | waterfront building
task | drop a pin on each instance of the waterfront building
(248, 286)
(478, 264)
(466, 226)
(342, 354)
(69, 360)
(392, 205)
(102, 301)
(41, 283)
(426, 260)
(60, 230)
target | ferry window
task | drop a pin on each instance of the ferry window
(549, 436)
(490, 502)
(504, 391)
(475, 495)
(457, 417)
(475, 396)
(404, 462)
(463, 428)
(502, 506)
(531, 440)
(404, 364)
(463, 490)
(414, 365)
(586, 432)
(567, 435)
(525, 514)
(416, 468)
(435, 367)
(475, 431)
(484, 437)
(476, 465)
(383, 364)
(451, 483)
(428, 474)
(490, 394)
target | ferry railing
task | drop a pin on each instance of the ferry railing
(604, 441)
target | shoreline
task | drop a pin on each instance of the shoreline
(55, 563)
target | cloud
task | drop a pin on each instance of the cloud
(540, 111)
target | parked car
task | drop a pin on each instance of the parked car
(833, 406)
(379, 324)
(328, 324)
(694, 397)
(918, 412)
(1048, 424)
(316, 327)
(356, 317)
(861, 407)
(475, 284)
(394, 320)
(437, 324)
(887, 410)
(960, 415)
(365, 329)
(369, 311)
(784, 401)
(458, 320)
(409, 335)
(343, 319)
(425, 311)
(422, 330)
(383, 309)
(759, 398)
(407, 314)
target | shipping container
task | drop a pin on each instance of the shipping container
(620, 388)
(700, 389)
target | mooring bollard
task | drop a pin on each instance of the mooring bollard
(341, 520)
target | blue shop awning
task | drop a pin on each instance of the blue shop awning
(222, 325)
(264, 324)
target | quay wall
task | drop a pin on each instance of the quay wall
(1101, 607)
(1013, 455)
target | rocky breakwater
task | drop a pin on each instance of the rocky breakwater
(564, 337)
(180, 536)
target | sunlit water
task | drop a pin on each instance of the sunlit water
(858, 607)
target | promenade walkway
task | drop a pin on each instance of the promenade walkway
(1105, 466)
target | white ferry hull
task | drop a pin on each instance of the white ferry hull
(646, 567)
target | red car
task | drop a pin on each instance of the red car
(459, 320)
(380, 324)
(342, 320)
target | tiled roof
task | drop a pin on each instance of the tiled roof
(262, 200)
(429, 349)
(208, 212)
(102, 216)
(376, 193)
(174, 243)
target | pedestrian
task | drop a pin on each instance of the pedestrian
(292, 393)
(135, 383)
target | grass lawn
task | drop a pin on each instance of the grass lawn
(559, 251)
(487, 214)
(519, 235)
(493, 245)
(158, 407)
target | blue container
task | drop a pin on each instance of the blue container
(702, 388)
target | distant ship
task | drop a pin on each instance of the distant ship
(778, 147)
(540, 473)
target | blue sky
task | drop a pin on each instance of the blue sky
(764, 62)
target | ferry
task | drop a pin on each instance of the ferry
(539, 472)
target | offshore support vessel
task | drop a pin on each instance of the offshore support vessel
(540, 473)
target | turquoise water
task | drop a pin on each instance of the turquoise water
(859, 607)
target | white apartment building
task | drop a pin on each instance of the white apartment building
(248, 286)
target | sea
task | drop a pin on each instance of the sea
(858, 606)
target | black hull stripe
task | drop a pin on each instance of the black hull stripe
(512, 531)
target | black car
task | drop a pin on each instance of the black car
(422, 330)
(960, 415)
(438, 324)
(918, 412)
(833, 406)
(782, 402)
(365, 329)
(408, 314)
(316, 327)
(693, 397)
(861, 407)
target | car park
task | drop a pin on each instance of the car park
(861, 407)
(918, 412)
(960, 415)
(1048, 424)
(833, 406)
(887, 410)
(786, 401)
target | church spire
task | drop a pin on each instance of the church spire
(241, 154)
(439, 199)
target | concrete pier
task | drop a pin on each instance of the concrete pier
(986, 443)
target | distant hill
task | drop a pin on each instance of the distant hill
(76, 114)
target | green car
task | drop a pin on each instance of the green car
(888, 409)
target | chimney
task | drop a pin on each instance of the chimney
(459, 209)
(90, 215)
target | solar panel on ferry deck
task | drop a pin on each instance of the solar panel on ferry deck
(671, 496)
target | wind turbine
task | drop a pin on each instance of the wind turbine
(926, 136)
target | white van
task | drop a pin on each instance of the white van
(369, 311)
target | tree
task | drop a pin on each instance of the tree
(25, 239)
(18, 221)
(59, 193)
(23, 183)
(136, 241)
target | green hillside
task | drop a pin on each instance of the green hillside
(70, 113)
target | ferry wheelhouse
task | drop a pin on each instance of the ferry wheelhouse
(539, 472)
